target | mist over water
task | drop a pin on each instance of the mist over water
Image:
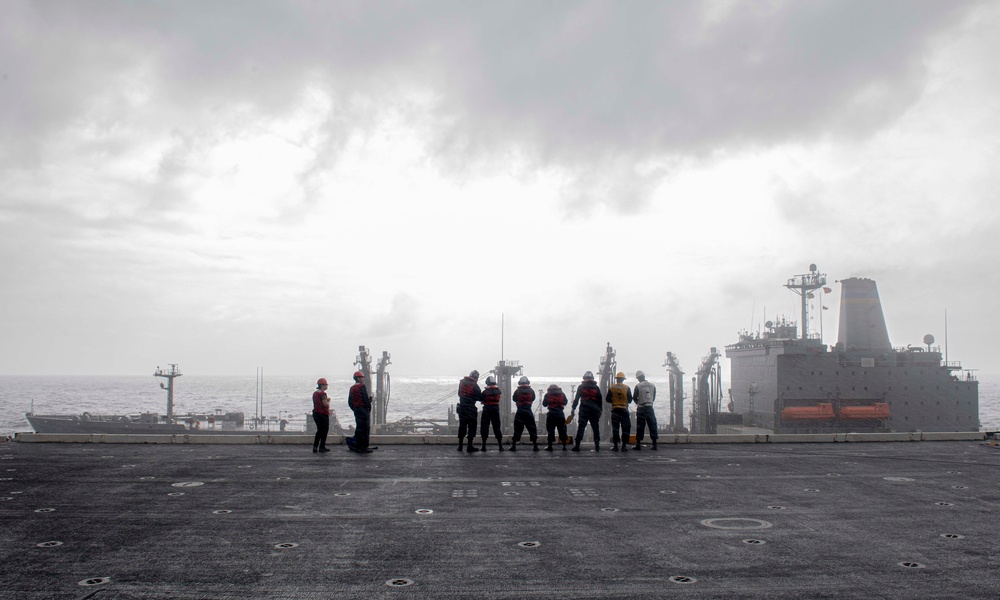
(283, 397)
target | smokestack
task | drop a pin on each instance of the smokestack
(862, 324)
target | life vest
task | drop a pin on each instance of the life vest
(491, 396)
(618, 394)
(644, 393)
(469, 393)
(318, 406)
(555, 400)
(356, 398)
(524, 396)
(589, 393)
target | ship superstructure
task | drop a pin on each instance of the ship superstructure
(796, 384)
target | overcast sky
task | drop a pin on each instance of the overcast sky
(228, 185)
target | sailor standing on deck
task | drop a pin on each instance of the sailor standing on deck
(619, 397)
(523, 398)
(588, 397)
(468, 394)
(321, 415)
(644, 395)
(361, 404)
(555, 401)
(491, 413)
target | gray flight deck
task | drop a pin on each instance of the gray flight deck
(759, 520)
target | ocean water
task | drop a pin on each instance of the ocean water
(283, 397)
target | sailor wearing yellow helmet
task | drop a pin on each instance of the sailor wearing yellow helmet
(619, 397)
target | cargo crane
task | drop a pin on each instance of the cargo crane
(505, 371)
(380, 394)
(605, 377)
(707, 385)
(382, 388)
(676, 424)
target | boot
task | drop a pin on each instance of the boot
(461, 444)
(637, 446)
(536, 446)
(654, 445)
(513, 446)
(597, 444)
(500, 445)
(576, 446)
(470, 448)
(483, 449)
(614, 447)
(549, 448)
(624, 445)
(564, 447)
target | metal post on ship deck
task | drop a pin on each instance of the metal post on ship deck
(169, 376)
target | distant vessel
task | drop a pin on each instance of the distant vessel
(217, 422)
(790, 383)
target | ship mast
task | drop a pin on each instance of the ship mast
(804, 285)
(169, 375)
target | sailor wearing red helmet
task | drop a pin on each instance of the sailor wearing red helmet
(321, 415)
(361, 404)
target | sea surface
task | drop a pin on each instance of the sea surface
(282, 397)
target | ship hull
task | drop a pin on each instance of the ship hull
(126, 424)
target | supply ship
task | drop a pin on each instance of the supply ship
(171, 423)
(786, 381)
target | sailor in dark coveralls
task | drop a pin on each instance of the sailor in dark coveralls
(619, 397)
(644, 395)
(589, 398)
(468, 394)
(491, 413)
(555, 401)
(361, 404)
(523, 398)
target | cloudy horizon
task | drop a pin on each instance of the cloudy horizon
(227, 185)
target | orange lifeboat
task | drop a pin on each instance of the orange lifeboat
(817, 412)
(879, 410)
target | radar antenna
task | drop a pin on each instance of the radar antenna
(804, 285)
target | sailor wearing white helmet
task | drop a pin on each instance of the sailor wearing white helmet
(468, 394)
(523, 398)
(589, 398)
(644, 395)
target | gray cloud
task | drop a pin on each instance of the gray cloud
(575, 85)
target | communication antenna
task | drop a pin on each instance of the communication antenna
(946, 336)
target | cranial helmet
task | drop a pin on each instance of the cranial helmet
(588, 376)
(640, 375)
(523, 381)
(474, 374)
(358, 374)
(620, 375)
(491, 381)
(321, 381)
